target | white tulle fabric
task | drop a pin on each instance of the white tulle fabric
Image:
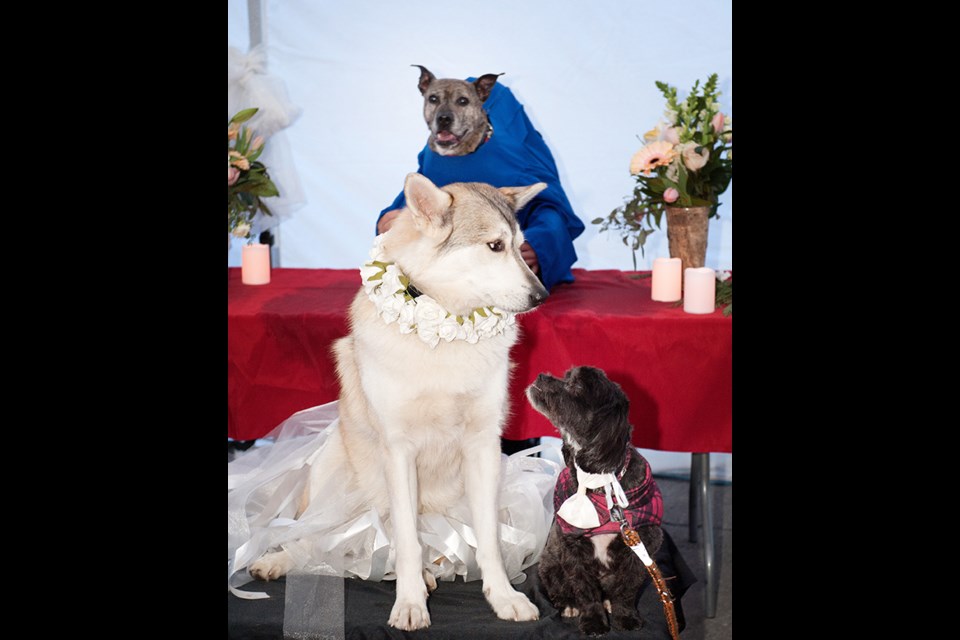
(263, 489)
(249, 85)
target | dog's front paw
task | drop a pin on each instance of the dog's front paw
(409, 616)
(627, 622)
(594, 624)
(570, 612)
(513, 605)
(272, 566)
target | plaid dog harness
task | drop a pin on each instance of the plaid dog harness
(645, 503)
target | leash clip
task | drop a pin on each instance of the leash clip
(616, 514)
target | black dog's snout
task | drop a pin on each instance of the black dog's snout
(444, 119)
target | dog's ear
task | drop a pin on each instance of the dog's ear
(520, 196)
(428, 204)
(484, 84)
(425, 78)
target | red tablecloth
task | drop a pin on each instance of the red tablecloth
(674, 366)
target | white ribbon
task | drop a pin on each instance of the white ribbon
(579, 510)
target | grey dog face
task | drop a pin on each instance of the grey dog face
(453, 110)
(590, 411)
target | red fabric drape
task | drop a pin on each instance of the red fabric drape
(675, 367)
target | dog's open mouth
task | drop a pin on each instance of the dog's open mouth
(447, 139)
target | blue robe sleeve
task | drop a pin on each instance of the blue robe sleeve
(548, 234)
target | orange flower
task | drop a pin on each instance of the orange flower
(238, 160)
(655, 154)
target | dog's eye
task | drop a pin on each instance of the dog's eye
(433, 99)
(496, 246)
(462, 101)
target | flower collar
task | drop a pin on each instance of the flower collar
(398, 301)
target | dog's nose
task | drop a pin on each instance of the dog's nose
(444, 120)
(538, 295)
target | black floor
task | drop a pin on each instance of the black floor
(676, 492)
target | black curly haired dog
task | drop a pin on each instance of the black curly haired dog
(586, 569)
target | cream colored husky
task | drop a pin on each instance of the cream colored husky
(424, 376)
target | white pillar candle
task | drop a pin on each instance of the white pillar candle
(666, 280)
(255, 264)
(699, 290)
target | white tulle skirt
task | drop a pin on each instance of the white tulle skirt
(341, 537)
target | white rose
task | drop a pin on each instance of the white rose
(691, 159)
(376, 252)
(486, 326)
(406, 320)
(468, 332)
(509, 319)
(723, 276)
(428, 315)
(428, 335)
(391, 280)
(391, 307)
(448, 329)
(368, 271)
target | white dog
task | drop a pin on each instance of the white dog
(424, 377)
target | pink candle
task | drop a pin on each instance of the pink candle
(699, 290)
(255, 264)
(666, 280)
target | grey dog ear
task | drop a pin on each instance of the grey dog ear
(520, 196)
(425, 78)
(484, 84)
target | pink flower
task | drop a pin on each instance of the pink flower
(656, 154)
(258, 142)
(670, 135)
(671, 195)
(717, 122)
(233, 174)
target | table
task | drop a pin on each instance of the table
(675, 367)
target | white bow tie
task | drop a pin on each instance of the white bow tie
(579, 510)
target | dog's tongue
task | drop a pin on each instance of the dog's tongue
(446, 136)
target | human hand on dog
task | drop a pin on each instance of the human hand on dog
(530, 257)
(386, 221)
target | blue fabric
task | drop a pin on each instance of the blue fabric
(516, 156)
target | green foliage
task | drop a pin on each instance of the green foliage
(724, 295)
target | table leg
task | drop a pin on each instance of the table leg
(694, 498)
(701, 461)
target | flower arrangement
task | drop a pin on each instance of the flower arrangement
(247, 179)
(686, 161)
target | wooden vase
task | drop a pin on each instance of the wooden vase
(687, 235)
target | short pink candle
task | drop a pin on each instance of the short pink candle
(255, 264)
(699, 290)
(666, 280)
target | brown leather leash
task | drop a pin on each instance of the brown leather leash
(632, 539)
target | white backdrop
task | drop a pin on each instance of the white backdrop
(584, 71)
